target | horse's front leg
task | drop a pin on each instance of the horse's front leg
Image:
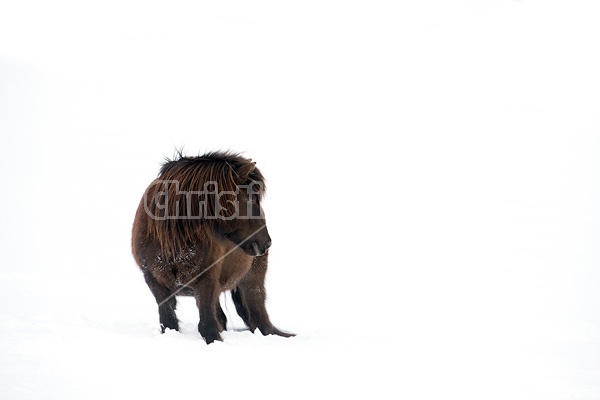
(207, 291)
(250, 296)
(165, 298)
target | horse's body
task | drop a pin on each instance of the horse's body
(191, 238)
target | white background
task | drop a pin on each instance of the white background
(433, 190)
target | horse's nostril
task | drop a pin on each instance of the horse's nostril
(268, 244)
(255, 248)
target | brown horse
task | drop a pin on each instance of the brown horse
(199, 230)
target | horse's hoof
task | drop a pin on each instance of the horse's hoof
(211, 338)
(279, 332)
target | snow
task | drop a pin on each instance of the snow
(432, 194)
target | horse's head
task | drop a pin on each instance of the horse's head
(243, 220)
(248, 227)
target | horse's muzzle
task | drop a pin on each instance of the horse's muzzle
(260, 251)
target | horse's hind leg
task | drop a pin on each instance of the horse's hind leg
(241, 308)
(166, 303)
(222, 318)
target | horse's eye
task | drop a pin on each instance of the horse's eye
(256, 187)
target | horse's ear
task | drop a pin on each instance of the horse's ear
(245, 170)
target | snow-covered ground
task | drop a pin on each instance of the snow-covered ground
(433, 190)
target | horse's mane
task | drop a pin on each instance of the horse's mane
(174, 199)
